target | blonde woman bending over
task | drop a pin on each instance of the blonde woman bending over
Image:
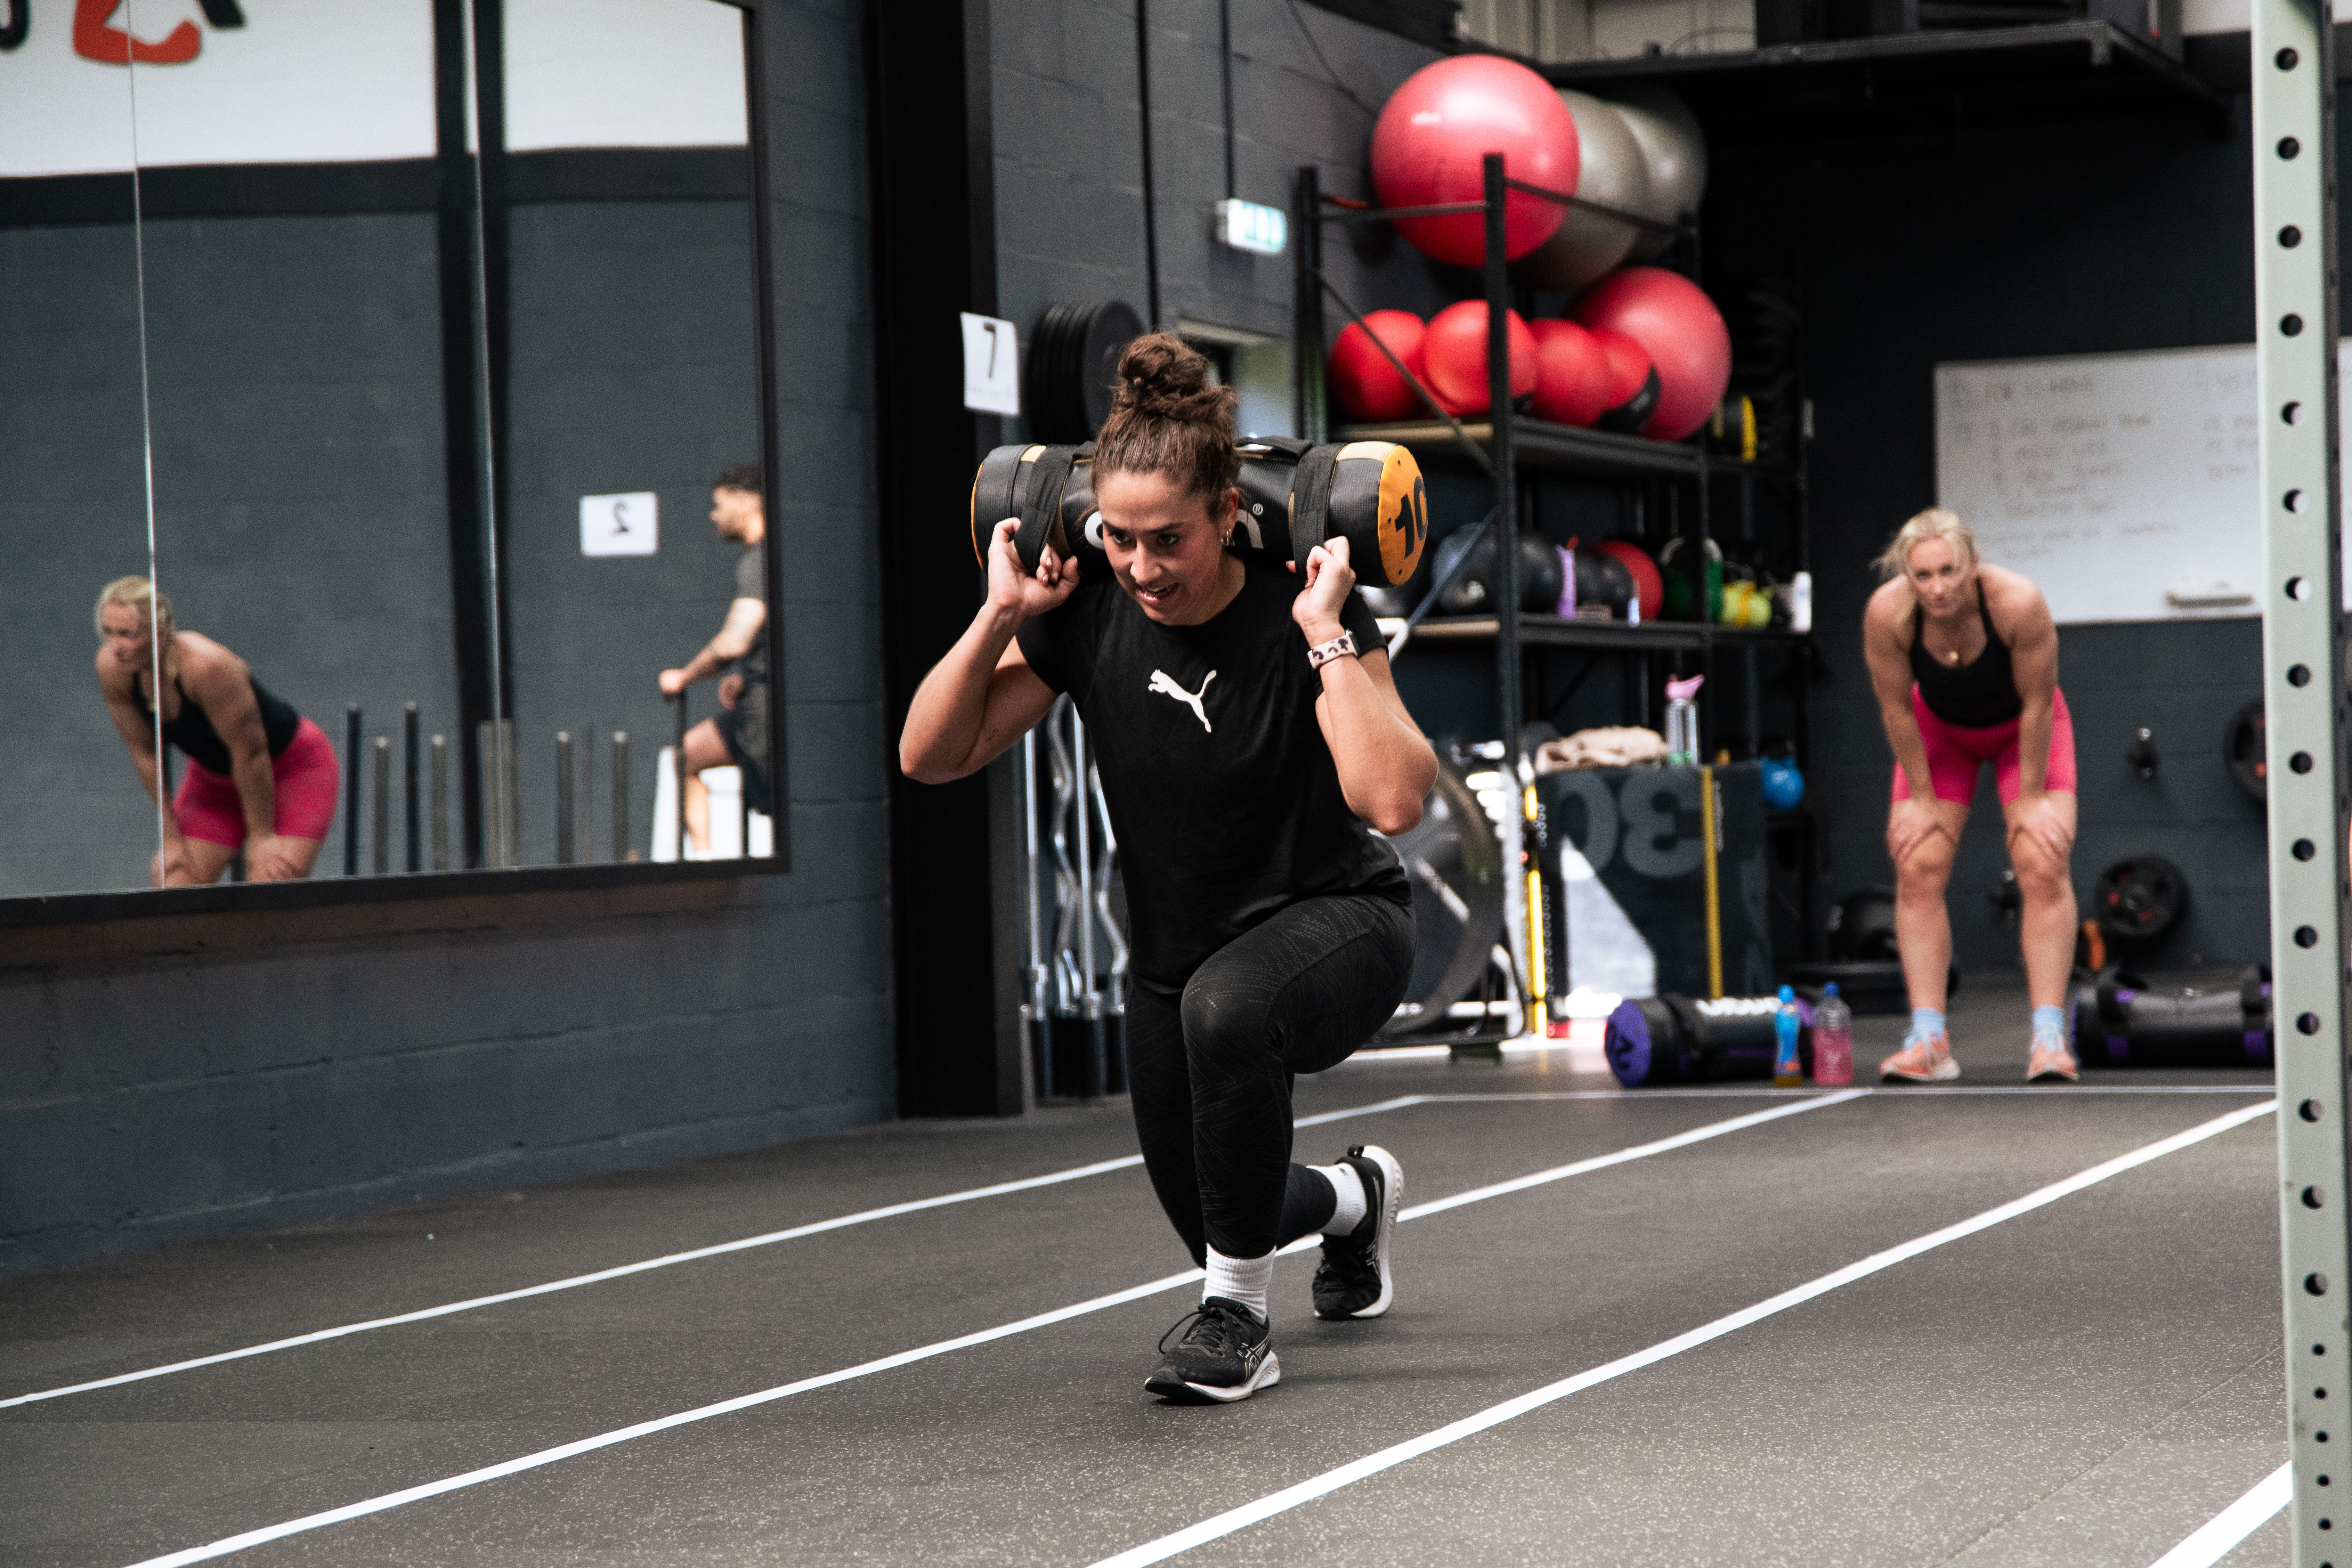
(1964, 660)
(259, 774)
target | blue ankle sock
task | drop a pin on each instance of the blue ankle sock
(1927, 1022)
(2050, 1023)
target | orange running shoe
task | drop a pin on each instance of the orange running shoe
(2051, 1058)
(1923, 1061)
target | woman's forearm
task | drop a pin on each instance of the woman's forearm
(945, 720)
(257, 787)
(2033, 745)
(1910, 749)
(1384, 763)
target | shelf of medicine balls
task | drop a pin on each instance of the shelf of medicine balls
(1507, 445)
(1567, 448)
(1623, 636)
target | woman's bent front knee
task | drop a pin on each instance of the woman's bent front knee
(1224, 1027)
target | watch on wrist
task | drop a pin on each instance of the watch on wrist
(1341, 646)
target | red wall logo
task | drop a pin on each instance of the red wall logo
(96, 38)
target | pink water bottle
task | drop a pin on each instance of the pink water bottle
(1832, 1039)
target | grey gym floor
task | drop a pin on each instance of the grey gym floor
(2083, 1384)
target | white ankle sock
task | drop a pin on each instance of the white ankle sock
(1243, 1279)
(1347, 1191)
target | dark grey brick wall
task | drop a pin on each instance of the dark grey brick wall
(169, 1077)
(1069, 172)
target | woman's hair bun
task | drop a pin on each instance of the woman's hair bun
(1166, 416)
(1161, 376)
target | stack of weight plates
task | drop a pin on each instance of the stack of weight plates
(1073, 364)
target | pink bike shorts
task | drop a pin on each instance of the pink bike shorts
(306, 778)
(1954, 754)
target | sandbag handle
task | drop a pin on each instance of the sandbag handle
(1311, 502)
(1039, 500)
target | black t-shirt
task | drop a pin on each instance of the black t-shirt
(1222, 793)
(752, 582)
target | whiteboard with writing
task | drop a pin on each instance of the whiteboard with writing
(2124, 485)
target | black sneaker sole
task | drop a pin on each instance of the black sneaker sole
(1170, 1387)
(1391, 1198)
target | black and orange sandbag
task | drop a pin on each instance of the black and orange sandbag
(1294, 496)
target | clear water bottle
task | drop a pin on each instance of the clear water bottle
(1788, 1067)
(1833, 1039)
(1682, 722)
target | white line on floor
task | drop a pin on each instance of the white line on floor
(1639, 1151)
(863, 1217)
(224, 1547)
(1306, 1492)
(2218, 1536)
(1076, 1173)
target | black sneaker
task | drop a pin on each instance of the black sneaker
(1225, 1355)
(1353, 1281)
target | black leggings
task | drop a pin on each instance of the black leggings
(1211, 1073)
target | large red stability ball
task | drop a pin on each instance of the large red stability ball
(1454, 356)
(1671, 317)
(1367, 386)
(1571, 373)
(1437, 127)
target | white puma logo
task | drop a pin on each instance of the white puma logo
(1165, 684)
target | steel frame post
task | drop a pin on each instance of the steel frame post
(1507, 671)
(1306, 305)
(2303, 688)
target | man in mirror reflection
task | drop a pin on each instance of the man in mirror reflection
(260, 776)
(738, 733)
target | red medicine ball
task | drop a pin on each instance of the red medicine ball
(1673, 318)
(1571, 375)
(1454, 355)
(1367, 386)
(1629, 387)
(1434, 134)
(1649, 586)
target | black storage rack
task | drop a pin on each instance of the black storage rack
(1504, 444)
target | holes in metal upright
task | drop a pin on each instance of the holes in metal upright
(2295, 231)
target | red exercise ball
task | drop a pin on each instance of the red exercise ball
(1438, 126)
(1571, 375)
(1649, 586)
(1672, 318)
(1454, 356)
(1630, 388)
(1367, 386)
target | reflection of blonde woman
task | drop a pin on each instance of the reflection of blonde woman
(258, 773)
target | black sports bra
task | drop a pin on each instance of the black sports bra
(192, 731)
(1975, 696)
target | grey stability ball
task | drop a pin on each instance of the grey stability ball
(1674, 149)
(1612, 169)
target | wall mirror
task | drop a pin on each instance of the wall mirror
(73, 813)
(409, 350)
